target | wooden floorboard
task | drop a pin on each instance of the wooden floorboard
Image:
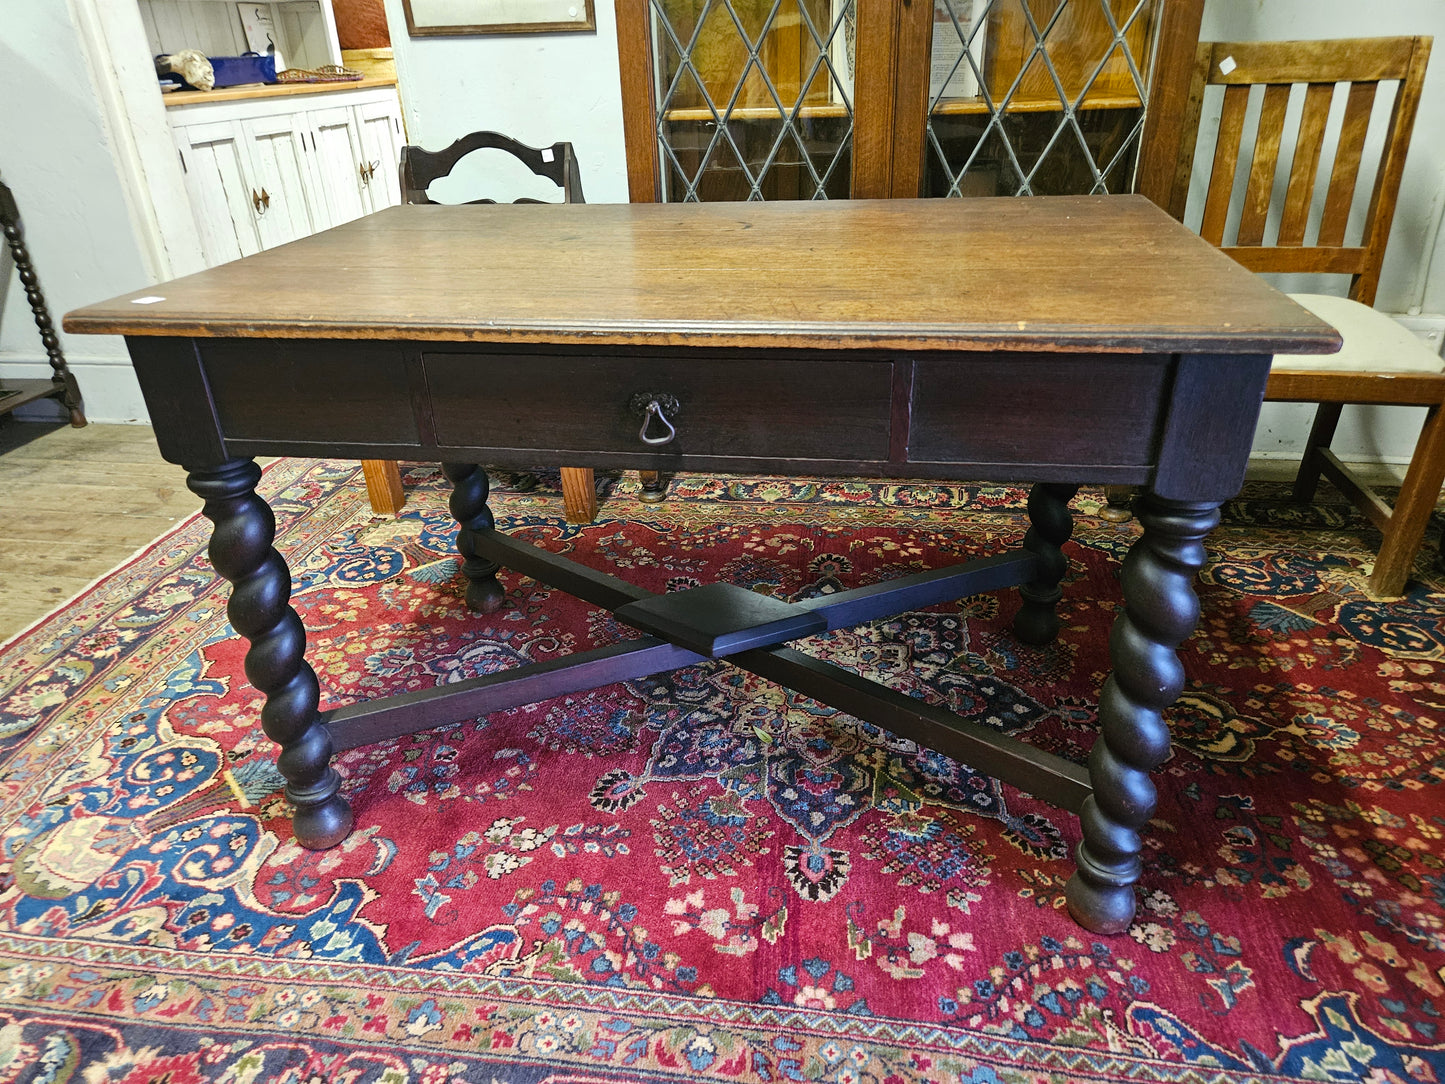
(74, 503)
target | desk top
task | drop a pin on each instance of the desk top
(1047, 273)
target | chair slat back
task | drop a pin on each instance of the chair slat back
(420, 167)
(1353, 67)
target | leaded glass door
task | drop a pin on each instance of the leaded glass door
(812, 99)
(753, 98)
(1037, 97)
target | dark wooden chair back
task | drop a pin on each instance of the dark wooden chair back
(420, 167)
(1353, 69)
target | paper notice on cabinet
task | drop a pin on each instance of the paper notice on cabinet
(840, 51)
(950, 75)
(260, 31)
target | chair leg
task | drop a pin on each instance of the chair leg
(1418, 497)
(383, 486)
(1327, 417)
(1119, 504)
(653, 489)
(579, 494)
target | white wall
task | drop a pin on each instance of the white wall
(56, 157)
(537, 88)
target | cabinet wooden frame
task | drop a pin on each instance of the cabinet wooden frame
(546, 25)
(890, 111)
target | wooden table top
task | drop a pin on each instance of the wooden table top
(1046, 273)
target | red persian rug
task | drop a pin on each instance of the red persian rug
(699, 876)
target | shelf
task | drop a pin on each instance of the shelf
(947, 107)
(950, 107)
(16, 393)
(822, 111)
(268, 90)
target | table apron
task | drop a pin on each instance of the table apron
(950, 415)
(991, 416)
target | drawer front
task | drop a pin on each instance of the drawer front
(1038, 408)
(754, 409)
(305, 390)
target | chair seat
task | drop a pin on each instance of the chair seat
(1374, 343)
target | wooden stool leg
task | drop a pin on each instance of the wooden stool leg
(67, 390)
(1418, 496)
(653, 490)
(1119, 504)
(383, 486)
(1327, 417)
(579, 494)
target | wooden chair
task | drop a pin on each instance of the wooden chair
(1381, 362)
(420, 168)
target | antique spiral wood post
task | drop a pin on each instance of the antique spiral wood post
(1051, 524)
(60, 372)
(260, 610)
(1160, 611)
(468, 505)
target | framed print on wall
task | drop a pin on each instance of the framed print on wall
(436, 18)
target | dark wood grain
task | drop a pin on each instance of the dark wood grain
(1102, 408)
(910, 274)
(586, 403)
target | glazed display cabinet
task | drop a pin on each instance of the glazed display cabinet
(826, 99)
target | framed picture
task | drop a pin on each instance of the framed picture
(436, 18)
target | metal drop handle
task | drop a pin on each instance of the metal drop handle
(654, 410)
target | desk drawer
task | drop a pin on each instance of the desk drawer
(738, 408)
(1038, 408)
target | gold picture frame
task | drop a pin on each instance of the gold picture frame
(455, 18)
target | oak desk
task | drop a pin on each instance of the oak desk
(1056, 340)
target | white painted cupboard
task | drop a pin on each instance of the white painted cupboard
(263, 171)
(262, 166)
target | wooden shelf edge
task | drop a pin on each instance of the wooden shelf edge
(29, 391)
(947, 107)
(269, 90)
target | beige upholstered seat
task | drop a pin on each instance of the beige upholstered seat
(1374, 343)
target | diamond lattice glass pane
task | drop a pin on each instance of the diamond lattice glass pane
(1101, 138)
(720, 54)
(767, 115)
(1119, 170)
(707, 160)
(1059, 93)
(968, 156)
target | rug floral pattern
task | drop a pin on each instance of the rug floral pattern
(700, 875)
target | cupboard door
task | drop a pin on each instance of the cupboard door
(338, 165)
(379, 125)
(749, 99)
(217, 177)
(280, 177)
(1037, 97)
(779, 99)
